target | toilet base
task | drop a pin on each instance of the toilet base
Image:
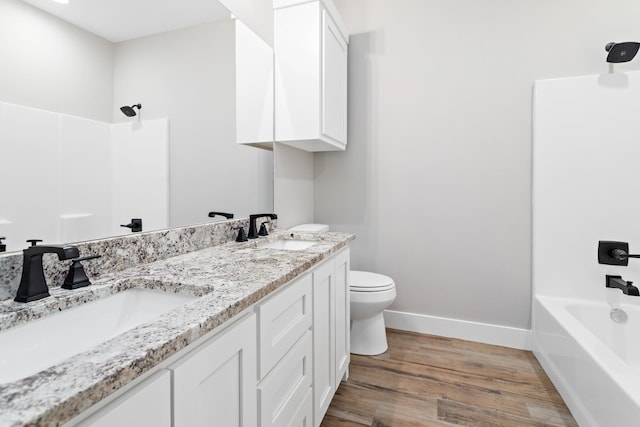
(368, 336)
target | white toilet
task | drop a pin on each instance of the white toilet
(370, 294)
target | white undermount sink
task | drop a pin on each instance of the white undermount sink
(289, 245)
(39, 344)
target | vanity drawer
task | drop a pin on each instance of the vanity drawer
(282, 394)
(304, 415)
(283, 320)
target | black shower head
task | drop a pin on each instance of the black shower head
(621, 52)
(129, 111)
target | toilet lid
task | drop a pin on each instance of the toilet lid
(365, 281)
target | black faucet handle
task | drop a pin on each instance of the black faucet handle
(34, 241)
(614, 253)
(263, 229)
(77, 277)
(242, 235)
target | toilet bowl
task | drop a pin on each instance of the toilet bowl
(370, 294)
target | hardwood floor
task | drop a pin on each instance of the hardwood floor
(425, 380)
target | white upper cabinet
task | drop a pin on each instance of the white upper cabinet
(254, 88)
(310, 44)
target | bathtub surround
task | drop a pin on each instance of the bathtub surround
(585, 174)
(230, 277)
(86, 179)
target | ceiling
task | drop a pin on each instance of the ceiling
(119, 20)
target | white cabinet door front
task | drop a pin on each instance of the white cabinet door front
(334, 81)
(147, 404)
(324, 356)
(343, 315)
(216, 384)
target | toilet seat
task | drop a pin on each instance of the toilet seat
(365, 281)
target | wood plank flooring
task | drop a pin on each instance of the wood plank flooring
(426, 380)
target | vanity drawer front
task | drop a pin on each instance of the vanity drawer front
(282, 393)
(283, 319)
(304, 415)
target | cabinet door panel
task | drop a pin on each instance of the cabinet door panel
(343, 315)
(334, 81)
(147, 404)
(216, 385)
(324, 357)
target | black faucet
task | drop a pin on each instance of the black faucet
(253, 230)
(626, 287)
(224, 214)
(33, 285)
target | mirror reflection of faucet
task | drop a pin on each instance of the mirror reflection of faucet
(224, 214)
(135, 225)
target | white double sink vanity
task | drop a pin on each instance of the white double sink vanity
(238, 334)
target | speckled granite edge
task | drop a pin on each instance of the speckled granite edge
(231, 276)
(119, 253)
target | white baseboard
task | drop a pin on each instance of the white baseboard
(462, 329)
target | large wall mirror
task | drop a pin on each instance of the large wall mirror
(74, 167)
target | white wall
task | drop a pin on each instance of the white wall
(586, 155)
(188, 76)
(437, 174)
(50, 64)
(293, 185)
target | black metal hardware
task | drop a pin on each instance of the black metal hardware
(3, 247)
(34, 241)
(614, 253)
(33, 285)
(224, 214)
(621, 52)
(626, 287)
(253, 230)
(129, 111)
(242, 236)
(135, 225)
(77, 277)
(263, 229)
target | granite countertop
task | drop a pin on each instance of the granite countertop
(226, 279)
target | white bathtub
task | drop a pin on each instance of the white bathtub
(593, 361)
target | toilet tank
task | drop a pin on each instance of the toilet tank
(310, 228)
